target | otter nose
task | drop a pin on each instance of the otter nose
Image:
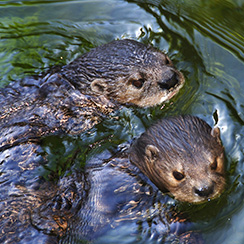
(170, 79)
(204, 191)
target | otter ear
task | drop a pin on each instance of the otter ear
(99, 86)
(216, 133)
(151, 152)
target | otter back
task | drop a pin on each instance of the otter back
(127, 187)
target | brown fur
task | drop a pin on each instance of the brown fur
(77, 96)
(183, 147)
(112, 69)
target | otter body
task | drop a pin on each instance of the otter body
(70, 99)
(126, 188)
(75, 97)
(182, 156)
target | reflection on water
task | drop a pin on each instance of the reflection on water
(203, 38)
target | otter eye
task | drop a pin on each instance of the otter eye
(138, 83)
(214, 165)
(178, 176)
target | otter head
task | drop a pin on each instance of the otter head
(183, 156)
(130, 72)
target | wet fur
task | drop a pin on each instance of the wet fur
(184, 144)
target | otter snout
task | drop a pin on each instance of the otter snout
(169, 80)
(205, 191)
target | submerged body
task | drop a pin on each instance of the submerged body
(126, 188)
(69, 99)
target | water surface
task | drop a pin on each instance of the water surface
(205, 41)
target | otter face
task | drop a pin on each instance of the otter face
(191, 181)
(133, 73)
(182, 156)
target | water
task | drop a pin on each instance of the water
(203, 38)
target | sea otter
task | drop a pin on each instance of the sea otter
(70, 99)
(181, 156)
(75, 97)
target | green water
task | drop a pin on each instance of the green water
(203, 38)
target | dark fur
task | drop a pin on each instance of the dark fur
(113, 189)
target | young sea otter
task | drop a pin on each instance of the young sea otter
(180, 155)
(75, 97)
(183, 156)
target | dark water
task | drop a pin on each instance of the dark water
(203, 38)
